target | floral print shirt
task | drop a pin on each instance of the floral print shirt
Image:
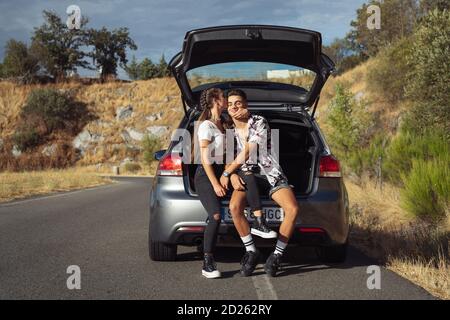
(267, 163)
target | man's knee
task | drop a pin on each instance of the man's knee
(236, 208)
(291, 211)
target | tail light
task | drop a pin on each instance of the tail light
(170, 165)
(311, 230)
(329, 167)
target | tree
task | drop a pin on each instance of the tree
(430, 5)
(398, 18)
(428, 77)
(132, 69)
(163, 68)
(19, 62)
(58, 47)
(341, 52)
(147, 69)
(387, 74)
(109, 50)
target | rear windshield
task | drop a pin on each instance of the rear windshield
(251, 71)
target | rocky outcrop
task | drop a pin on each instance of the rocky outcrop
(134, 134)
(123, 113)
(84, 139)
(158, 131)
(154, 116)
(49, 150)
(16, 151)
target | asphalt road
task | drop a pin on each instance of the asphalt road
(103, 230)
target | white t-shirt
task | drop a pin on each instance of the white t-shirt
(207, 130)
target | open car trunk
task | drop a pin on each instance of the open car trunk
(245, 43)
(298, 151)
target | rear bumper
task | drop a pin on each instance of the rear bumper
(171, 208)
(229, 237)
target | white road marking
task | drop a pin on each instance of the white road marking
(56, 195)
(264, 288)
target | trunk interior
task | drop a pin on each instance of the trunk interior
(298, 151)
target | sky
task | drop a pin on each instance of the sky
(158, 26)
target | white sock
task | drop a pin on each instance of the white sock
(248, 243)
(279, 248)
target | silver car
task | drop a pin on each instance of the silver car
(233, 57)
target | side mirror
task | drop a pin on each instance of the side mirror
(158, 154)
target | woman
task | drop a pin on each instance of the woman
(211, 136)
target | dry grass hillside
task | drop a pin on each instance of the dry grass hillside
(107, 139)
(355, 80)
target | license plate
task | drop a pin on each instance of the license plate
(272, 214)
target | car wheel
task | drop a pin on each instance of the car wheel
(160, 251)
(332, 254)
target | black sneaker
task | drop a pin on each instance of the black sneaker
(273, 264)
(210, 268)
(260, 228)
(248, 263)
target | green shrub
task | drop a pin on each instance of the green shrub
(387, 76)
(408, 146)
(53, 107)
(428, 76)
(132, 167)
(422, 116)
(44, 111)
(367, 159)
(27, 139)
(150, 144)
(427, 189)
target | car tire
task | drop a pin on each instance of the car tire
(160, 251)
(332, 254)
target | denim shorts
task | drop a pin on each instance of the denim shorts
(266, 187)
(279, 185)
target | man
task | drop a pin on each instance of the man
(270, 178)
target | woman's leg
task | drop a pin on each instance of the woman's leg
(211, 203)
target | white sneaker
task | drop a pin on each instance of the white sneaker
(270, 234)
(262, 230)
(211, 274)
(209, 268)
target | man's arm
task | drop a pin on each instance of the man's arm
(242, 157)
